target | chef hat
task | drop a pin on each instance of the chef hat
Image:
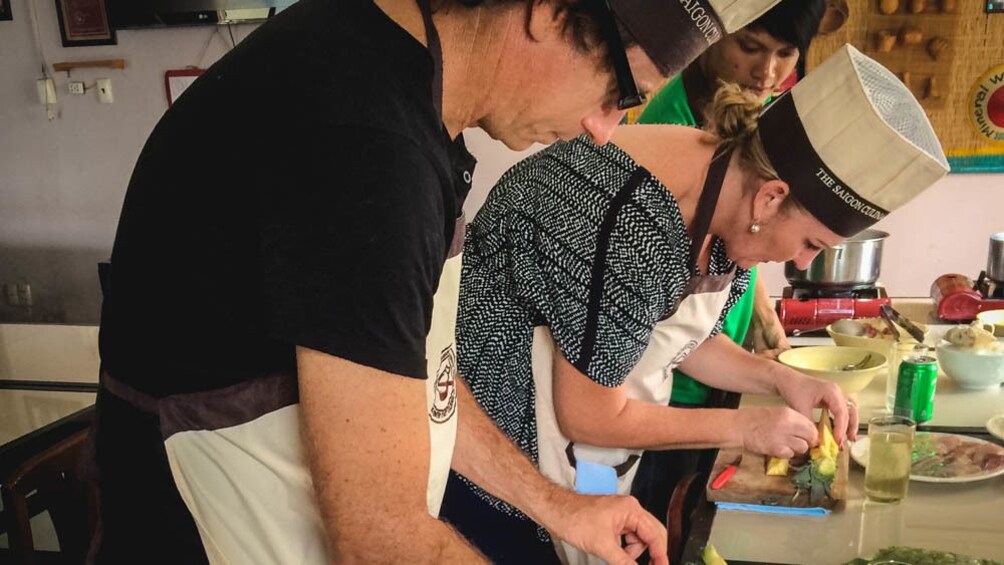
(852, 142)
(674, 32)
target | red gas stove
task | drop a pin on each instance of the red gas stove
(958, 298)
(811, 307)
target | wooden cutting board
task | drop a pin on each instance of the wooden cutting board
(751, 484)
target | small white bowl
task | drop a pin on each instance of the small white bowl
(971, 369)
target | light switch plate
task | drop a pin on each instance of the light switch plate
(104, 87)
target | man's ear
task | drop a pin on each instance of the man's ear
(544, 21)
(769, 197)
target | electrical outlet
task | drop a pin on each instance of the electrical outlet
(77, 87)
(104, 86)
(18, 294)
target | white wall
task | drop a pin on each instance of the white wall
(946, 229)
(62, 181)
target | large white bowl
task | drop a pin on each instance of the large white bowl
(824, 362)
(972, 369)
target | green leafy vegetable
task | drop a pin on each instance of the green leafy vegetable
(918, 556)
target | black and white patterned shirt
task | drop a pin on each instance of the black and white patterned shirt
(562, 242)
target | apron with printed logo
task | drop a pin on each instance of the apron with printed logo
(236, 454)
(598, 470)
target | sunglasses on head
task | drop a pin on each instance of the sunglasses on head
(629, 97)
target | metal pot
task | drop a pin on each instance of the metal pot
(995, 258)
(852, 264)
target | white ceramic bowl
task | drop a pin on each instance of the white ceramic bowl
(972, 369)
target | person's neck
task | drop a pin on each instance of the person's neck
(472, 54)
(731, 202)
(472, 61)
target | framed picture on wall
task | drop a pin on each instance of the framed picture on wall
(84, 22)
(5, 10)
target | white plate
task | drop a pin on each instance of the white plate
(859, 452)
(995, 426)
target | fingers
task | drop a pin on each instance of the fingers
(853, 421)
(838, 405)
(652, 534)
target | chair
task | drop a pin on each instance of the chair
(684, 500)
(41, 472)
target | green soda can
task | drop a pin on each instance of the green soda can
(918, 375)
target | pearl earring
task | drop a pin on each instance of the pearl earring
(755, 227)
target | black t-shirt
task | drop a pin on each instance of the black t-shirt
(301, 192)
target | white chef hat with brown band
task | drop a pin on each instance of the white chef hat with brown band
(852, 142)
(674, 32)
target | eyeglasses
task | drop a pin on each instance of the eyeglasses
(626, 87)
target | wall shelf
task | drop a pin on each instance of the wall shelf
(106, 64)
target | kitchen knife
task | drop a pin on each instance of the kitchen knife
(726, 474)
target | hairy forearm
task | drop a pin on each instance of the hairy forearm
(386, 537)
(722, 364)
(370, 468)
(487, 457)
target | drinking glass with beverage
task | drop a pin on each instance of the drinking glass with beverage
(890, 441)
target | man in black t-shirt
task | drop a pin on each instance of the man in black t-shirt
(278, 371)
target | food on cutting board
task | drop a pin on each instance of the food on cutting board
(949, 456)
(918, 556)
(917, 6)
(814, 476)
(974, 336)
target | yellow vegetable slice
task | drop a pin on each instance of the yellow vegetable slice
(710, 556)
(777, 467)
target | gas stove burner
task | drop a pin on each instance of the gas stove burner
(809, 307)
(809, 292)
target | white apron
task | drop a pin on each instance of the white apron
(258, 471)
(651, 380)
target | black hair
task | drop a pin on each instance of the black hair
(581, 23)
(792, 21)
